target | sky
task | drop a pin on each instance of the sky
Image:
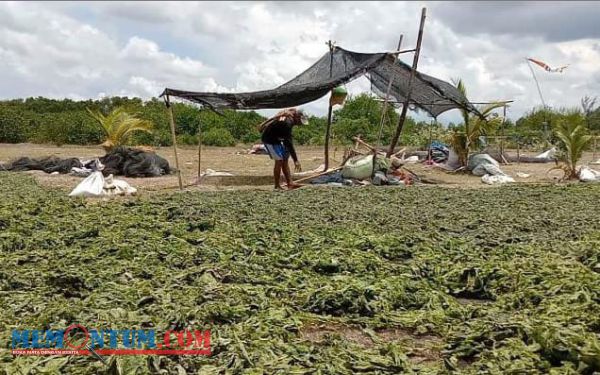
(82, 50)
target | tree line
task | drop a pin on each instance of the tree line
(43, 120)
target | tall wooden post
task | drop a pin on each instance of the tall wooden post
(327, 132)
(429, 156)
(410, 81)
(502, 131)
(387, 97)
(173, 137)
(199, 150)
(330, 110)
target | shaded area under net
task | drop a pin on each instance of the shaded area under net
(333, 69)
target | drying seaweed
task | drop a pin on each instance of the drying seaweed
(435, 281)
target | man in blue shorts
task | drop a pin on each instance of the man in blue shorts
(277, 138)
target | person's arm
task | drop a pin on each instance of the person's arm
(289, 145)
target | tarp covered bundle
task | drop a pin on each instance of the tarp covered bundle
(122, 161)
(333, 69)
(48, 164)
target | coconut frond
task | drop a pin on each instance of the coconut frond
(118, 126)
(574, 138)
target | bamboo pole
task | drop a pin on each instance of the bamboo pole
(536, 83)
(410, 81)
(199, 150)
(329, 110)
(502, 131)
(327, 132)
(173, 137)
(387, 97)
(429, 156)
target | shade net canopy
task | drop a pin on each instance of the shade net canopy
(333, 69)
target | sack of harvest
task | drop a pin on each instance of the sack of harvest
(361, 167)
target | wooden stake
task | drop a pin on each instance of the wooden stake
(429, 156)
(327, 132)
(387, 98)
(502, 131)
(172, 121)
(330, 110)
(199, 150)
(358, 141)
(410, 81)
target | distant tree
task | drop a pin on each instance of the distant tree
(591, 111)
(361, 114)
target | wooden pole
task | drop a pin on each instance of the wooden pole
(387, 97)
(537, 84)
(330, 109)
(173, 137)
(327, 132)
(429, 156)
(502, 130)
(199, 149)
(410, 81)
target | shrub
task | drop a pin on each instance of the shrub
(187, 139)
(12, 127)
(73, 127)
(573, 139)
(218, 137)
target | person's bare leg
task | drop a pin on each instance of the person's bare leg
(277, 174)
(288, 176)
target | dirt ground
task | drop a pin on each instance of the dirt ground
(252, 171)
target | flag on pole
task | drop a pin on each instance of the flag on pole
(547, 67)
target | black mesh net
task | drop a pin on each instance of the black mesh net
(333, 69)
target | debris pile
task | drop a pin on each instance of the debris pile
(367, 168)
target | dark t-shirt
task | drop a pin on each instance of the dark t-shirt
(280, 132)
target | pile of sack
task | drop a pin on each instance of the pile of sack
(96, 185)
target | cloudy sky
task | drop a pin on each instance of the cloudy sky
(88, 50)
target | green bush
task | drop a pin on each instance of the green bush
(218, 137)
(12, 126)
(75, 127)
(187, 139)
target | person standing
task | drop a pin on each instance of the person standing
(278, 140)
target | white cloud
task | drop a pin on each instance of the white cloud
(131, 48)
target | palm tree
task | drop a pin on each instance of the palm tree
(571, 131)
(475, 126)
(118, 126)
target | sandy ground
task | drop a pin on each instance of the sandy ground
(254, 171)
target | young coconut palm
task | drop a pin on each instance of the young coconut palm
(118, 126)
(573, 136)
(475, 126)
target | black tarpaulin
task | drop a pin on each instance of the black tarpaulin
(333, 69)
